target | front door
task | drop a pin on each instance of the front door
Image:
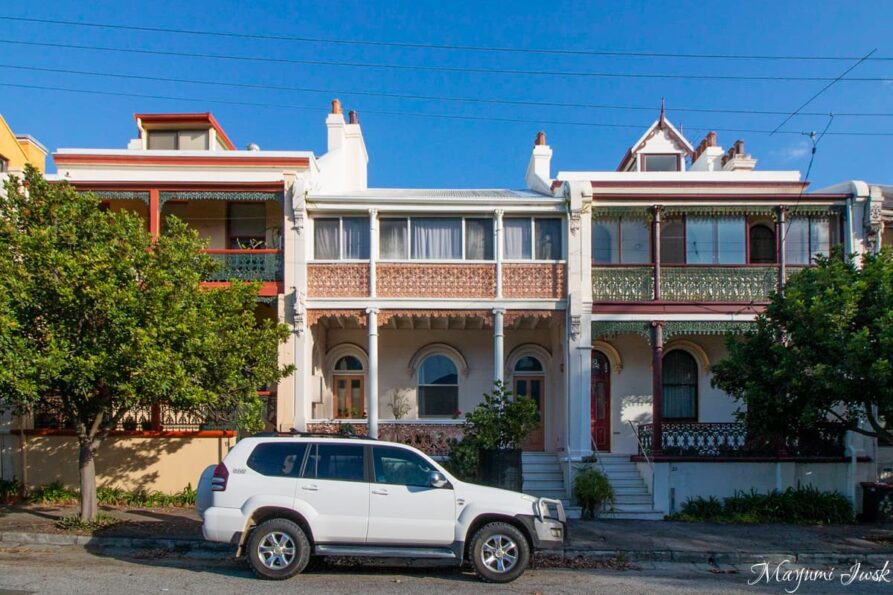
(533, 387)
(349, 397)
(600, 402)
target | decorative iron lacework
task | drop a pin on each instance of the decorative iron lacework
(622, 284)
(220, 195)
(675, 328)
(718, 284)
(608, 212)
(120, 195)
(246, 266)
(712, 210)
(814, 210)
(611, 328)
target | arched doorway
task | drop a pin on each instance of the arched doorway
(528, 380)
(600, 402)
(349, 383)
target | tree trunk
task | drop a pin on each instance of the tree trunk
(87, 468)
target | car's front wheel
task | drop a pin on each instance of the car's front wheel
(499, 553)
(278, 549)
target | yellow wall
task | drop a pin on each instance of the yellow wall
(19, 152)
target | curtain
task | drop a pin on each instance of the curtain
(436, 239)
(516, 234)
(478, 239)
(635, 241)
(548, 239)
(355, 238)
(796, 238)
(392, 238)
(680, 385)
(325, 239)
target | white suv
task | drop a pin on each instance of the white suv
(283, 498)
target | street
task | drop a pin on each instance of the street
(55, 569)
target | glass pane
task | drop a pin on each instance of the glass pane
(342, 401)
(820, 231)
(680, 385)
(397, 466)
(479, 239)
(521, 388)
(278, 459)
(355, 238)
(699, 240)
(436, 239)
(536, 392)
(528, 364)
(192, 140)
(325, 239)
(796, 239)
(516, 236)
(392, 239)
(438, 401)
(357, 409)
(660, 163)
(731, 244)
(762, 244)
(163, 140)
(548, 239)
(348, 362)
(438, 369)
(604, 241)
(340, 462)
(636, 241)
(247, 225)
(672, 241)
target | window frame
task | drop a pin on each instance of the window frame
(532, 221)
(643, 162)
(300, 465)
(750, 226)
(4, 164)
(364, 448)
(697, 387)
(340, 219)
(833, 240)
(230, 237)
(382, 447)
(176, 132)
(408, 238)
(618, 220)
(420, 386)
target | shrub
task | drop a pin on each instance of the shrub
(53, 493)
(9, 490)
(76, 523)
(592, 490)
(56, 493)
(793, 506)
(463, 459)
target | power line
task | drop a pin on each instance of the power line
(521, 102)
(412, 114)
(463, 69)
(823, 89)
(414, 45)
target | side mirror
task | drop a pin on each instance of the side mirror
(437, 480)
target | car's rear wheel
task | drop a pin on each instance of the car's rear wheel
(499, 553)
(278, 549)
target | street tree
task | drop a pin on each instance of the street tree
(102, 319)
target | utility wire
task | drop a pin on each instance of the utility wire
(522, 102)
(412, 114)
(420, 67)
(452, 47)
(815, 145)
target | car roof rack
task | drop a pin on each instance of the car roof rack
(298, 434)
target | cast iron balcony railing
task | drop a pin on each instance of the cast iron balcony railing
(717, 283)
(247, 265)
(621, 283)
(694, 439)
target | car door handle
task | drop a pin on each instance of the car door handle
(310, 488)
(380, 492)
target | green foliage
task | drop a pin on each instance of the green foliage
(76, 523)
(803, 506)
(9, 490)
(501, 421)
(52, 493)
(592, 491)
(56, 493)
(821, 357)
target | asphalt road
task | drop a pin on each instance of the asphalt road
(49, 569)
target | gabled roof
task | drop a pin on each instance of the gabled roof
(201, 119)
(662, 124)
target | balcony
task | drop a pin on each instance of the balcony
(622, 283)
(534, 280)
(435, 280)
(338, 279)
(247, 265)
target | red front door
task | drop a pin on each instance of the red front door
(600, 402)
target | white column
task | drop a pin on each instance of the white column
(373, 249)
(498, 340)
(497, 251)
(372, 373)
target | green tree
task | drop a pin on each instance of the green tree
(821, 355)
(98, 317)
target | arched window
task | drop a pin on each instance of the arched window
(762, 244)
(348, 363)
(438, 391)
(680, 384)
(528, 365)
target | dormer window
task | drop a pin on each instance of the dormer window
(178, 140)
(659, 162)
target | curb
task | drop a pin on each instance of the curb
(196, 548)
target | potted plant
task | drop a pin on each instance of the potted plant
(490, 450)
(592, 491)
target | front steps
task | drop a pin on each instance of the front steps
(543, 477)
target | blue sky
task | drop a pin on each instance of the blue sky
(413, 148)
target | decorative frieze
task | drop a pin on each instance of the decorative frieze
(239, 196)
(602, 329)
(622, 284)
(316, 315)
(337, 280)
(385, 316)
(534, 280)
(435, 280)
(718, 284)
(555, 317)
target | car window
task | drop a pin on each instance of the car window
(278, 459)
(342, 462)
(400, 467)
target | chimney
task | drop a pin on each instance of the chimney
(352, 117)
(707, 155)
(335, 126)
(737, 160)
(539, 168)
(343, 168)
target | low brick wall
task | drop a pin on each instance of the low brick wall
(432, 439)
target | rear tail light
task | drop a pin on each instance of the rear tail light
(218, 481)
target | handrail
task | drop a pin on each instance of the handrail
(645, 454)
(243, 251)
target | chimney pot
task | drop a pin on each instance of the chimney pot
(540, 138)
(352, 117)
(711, 139)
(336, 106)
(739, 147)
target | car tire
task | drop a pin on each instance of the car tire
(499, 553)
(278, 549)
